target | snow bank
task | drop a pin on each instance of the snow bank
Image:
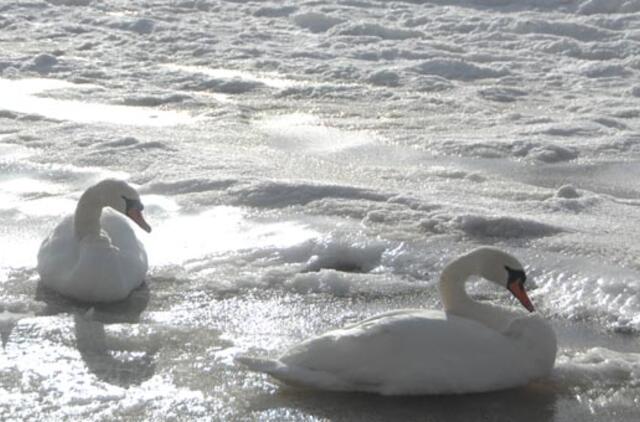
(178, 187)
(503, 227)
(600, 366)
(567, 192)
(327, 281)
(70, 2)
(384, 78)
(552, 153)
(376, 30)
(580, 288)
(573, 30)
(341, 284)
(592, 7)
(155, 100)
(502, 94)
(346, 256)
(278, 194)
(604, 70)
(43, 63)
(142, 26)
(316, 22)
(458, 70)
(615, 376)
(224, 86)
(274, 12)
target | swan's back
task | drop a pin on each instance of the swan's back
(100, 269)
(535, 335)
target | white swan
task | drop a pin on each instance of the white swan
(94, 256)
(470, 347)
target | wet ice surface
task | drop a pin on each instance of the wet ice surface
(306, 165)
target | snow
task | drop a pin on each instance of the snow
(316, 22)
(306, 165)
(454, 69)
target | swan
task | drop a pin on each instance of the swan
(470, 347)
(95, 256)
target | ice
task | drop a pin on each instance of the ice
(267, 79)
(307, 132)
(606, 369)
(20, 96)
(577, 289)
(216, 231)
(306, 165)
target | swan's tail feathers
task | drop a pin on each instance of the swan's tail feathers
(295, 375)
(268, 366)
(277, 369)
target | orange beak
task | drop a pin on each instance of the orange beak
(136, 215)
(517, 289)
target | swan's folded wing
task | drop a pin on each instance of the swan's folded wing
(58, 254)
(411, 353)
(535, 335)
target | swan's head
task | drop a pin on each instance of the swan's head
(504, 270)
(123, 198)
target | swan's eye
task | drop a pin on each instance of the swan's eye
(132, 204)
(515, 276)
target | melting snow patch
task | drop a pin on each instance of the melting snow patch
(599, 70)
(345, 256)
(567, 192)
(316, 22)
(375, 30)
(384, 78)
(503, 227)
(501, 94)
(592, 7)
(277, 194)
(562, 29)
(232, 81)
(179, 187)
(274, 12)
(580, 287)
(139, 26)
(42, 63)
(457, 70)
(70, 2)
(334, 282)
(601, 376)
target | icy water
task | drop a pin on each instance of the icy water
(308, 164)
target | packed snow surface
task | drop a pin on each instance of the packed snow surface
(306, 165)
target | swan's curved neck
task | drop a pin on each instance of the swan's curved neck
(87, 217)
(452, 285)
(456, 301)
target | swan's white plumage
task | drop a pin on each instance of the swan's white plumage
(420, 352)
(100, 267)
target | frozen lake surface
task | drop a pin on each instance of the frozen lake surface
(308, 164)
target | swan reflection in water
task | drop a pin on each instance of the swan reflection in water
(533, 403)
(114, 359)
